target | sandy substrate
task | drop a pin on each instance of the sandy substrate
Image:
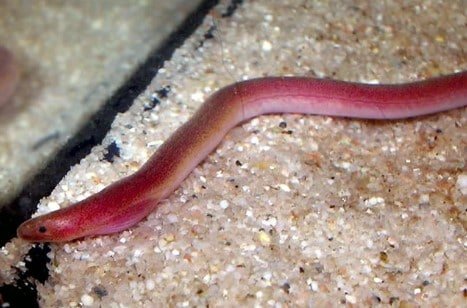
(73, 56)
(290, 209)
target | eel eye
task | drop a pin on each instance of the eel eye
(42, 229)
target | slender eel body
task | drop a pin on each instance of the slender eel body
(9, 75)
(127, 201)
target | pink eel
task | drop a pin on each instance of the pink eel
(124, 203)
(9, 75)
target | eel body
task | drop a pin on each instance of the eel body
(9, 75)
(124, 203)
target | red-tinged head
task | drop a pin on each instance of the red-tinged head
(91, 217)
(53, 227)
